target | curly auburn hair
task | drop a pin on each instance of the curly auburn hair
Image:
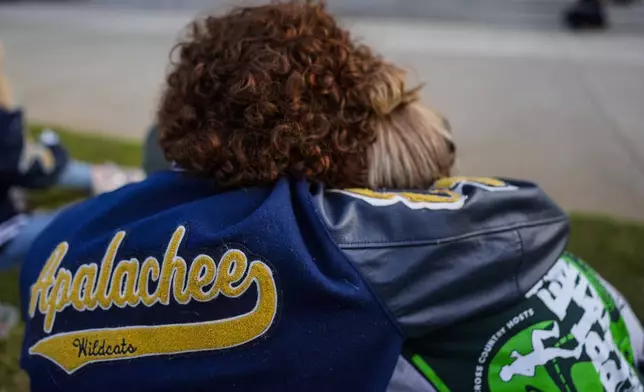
(274, 90)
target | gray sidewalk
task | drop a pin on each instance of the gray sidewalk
(532, 14)
(566, 111)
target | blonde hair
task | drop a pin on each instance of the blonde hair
(413, 146)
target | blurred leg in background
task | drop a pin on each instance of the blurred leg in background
(586, 14)
(77, 175)
(15, 250)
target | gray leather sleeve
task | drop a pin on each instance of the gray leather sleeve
(541, 246)
(433, 268)
(430, 287)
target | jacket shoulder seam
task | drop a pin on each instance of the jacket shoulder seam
(385, 309)
(443, 240)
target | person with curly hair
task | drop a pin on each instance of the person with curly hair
(309, 238)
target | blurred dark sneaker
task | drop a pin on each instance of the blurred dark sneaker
(585, 15)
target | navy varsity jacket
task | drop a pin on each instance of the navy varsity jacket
(169, 285)
(23, 165)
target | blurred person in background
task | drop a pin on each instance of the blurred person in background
(310, 238)
(589, 14)
(153, 158)
(26, 164)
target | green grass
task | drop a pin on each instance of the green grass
(614, 248)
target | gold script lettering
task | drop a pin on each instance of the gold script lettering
(128, 285)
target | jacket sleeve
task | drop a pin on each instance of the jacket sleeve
(475, 273)
(28, 164)
(435, 257)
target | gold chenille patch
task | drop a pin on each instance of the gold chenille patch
(127, 284)
(445, 194)
(487, 183)
(438, 199)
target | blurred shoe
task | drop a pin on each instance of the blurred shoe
(49, 137)
(8, 320)
(109, 177)
(585, 14)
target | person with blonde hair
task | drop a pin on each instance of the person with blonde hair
(309, 238)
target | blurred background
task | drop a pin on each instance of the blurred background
(526, 96)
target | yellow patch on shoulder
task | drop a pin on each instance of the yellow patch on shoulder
(446, 194)
(439, 199)
(487, 183)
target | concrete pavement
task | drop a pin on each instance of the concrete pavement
(522, 14)
(566, 111)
